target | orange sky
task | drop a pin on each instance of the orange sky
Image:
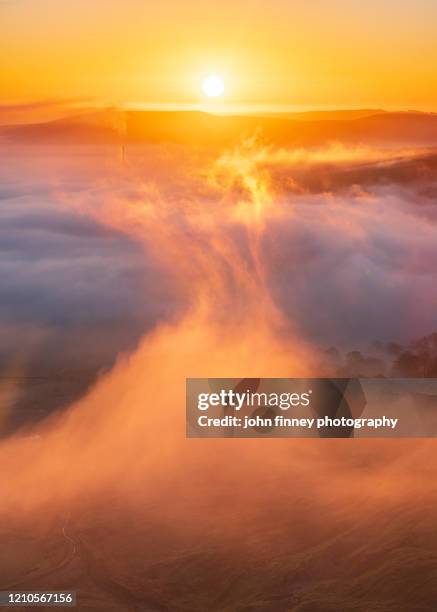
(303, 53)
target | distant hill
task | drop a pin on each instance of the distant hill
(203, 129)
(325, 115)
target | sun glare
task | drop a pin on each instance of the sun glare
(213, 86)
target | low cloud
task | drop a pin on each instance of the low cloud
(241, 276)
(342, 240)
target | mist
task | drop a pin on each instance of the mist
(244, 247)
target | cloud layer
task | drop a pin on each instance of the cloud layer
(247, 271)
(345, 239)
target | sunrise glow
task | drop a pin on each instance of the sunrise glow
(213, 86)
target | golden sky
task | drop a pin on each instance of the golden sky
(302, 53)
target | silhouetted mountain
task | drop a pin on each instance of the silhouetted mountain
(326, 115)
(199, 128)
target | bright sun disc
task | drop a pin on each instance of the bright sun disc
(213, 86)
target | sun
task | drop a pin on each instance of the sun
(213, 86)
